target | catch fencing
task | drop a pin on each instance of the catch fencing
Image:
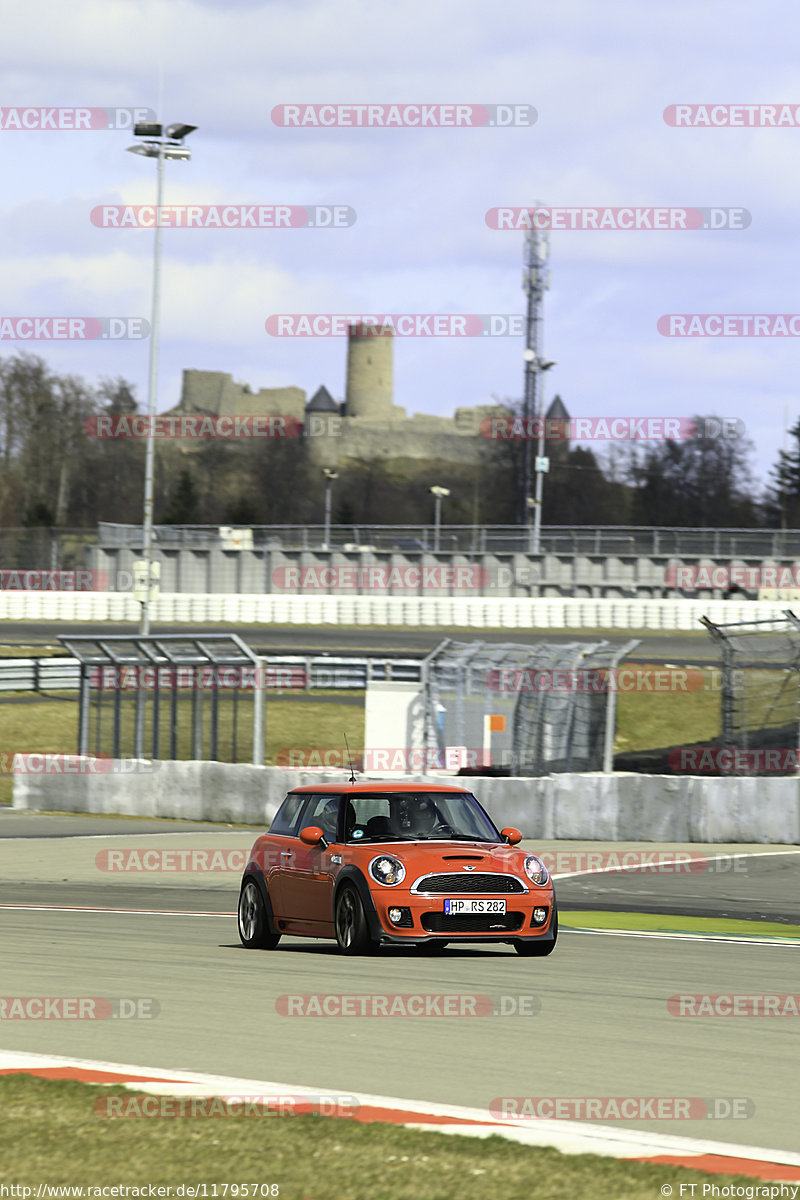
(760, 693)
(169, 696)
(501, 699)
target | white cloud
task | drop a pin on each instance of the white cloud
(599, 76)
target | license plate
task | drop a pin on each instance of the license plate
(452, 907)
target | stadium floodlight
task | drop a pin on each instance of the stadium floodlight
(160, 150)
(179, 131)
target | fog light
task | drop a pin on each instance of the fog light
(395, 915)
(540, 915)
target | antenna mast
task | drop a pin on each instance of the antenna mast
(535, 282)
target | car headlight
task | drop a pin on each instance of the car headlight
(387, 869)
(536, 870)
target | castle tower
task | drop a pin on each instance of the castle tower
(369, 389)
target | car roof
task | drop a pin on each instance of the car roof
(377, 785)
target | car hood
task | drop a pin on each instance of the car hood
(449, 856)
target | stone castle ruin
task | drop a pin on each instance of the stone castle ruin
(368, 425)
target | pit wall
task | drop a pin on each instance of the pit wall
(595, 807)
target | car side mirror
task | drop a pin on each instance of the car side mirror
(509, 834)
(312, 835)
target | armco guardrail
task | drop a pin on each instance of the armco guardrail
(299, 672)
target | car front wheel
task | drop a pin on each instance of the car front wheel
(253, 925)
(352, 931)
(533, 948)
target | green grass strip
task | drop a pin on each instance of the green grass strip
(53, 1135)
(667, 923)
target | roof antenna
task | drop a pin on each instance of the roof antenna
(350, 760)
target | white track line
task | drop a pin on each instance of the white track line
(136, 912)
(683, 937)
(571, 1137)
(652, 868)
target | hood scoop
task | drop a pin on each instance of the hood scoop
(463, 857)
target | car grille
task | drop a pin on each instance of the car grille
(436, 922)
(471, 882)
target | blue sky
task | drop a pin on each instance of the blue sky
(599, 77)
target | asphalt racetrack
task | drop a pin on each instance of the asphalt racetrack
(679, 648)
(591, 1020)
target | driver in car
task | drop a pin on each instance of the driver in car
(424, 817)
(329, 820)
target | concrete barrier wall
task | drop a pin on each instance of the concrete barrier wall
(444, 611)
(620, 807)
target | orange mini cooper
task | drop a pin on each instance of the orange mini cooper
(377, 864)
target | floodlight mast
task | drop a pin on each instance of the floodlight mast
(535, 282)
(154, 146)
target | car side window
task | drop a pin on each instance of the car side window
(285, 819)
(323, 810)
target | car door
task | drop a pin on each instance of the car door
(307, 878)
(283, 842)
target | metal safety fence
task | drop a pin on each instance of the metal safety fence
(760, 693)
(169, 697)
(529, 709)
(476, 539)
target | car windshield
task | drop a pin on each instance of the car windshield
(417, 816)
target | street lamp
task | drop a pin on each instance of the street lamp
(439, 494)
(329, 478)
(159, 143)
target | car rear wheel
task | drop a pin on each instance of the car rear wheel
(253, 925)
(533, 948)
(352, 931)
